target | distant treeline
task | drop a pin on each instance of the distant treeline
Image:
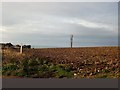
(9, 45)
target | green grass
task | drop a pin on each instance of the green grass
(36, 68)
(43, 68)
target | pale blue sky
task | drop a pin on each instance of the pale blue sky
(50, 24)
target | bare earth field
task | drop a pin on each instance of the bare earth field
(86, 62)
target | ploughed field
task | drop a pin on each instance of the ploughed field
(85, 62)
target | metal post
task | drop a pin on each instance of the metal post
(71, 41)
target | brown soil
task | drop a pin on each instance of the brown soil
(77, 56)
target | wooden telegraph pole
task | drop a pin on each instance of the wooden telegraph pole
(21, 49)
(71, 41)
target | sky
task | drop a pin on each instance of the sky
(50, 24)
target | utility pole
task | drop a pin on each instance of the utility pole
(21, 49)
(71, 41)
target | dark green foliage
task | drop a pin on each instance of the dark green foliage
(38, 68)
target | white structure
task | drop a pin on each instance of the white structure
(21, 49)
